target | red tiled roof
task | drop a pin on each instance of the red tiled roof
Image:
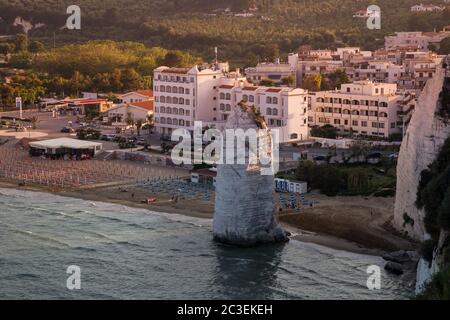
(273, 90)
(250, 88)
(225, 86)
(147, 93)
(148, 105)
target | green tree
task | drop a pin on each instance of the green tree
(267, 83)
(288, 81)
(444, 47)
(36, 47)
(21, 42)
(327, 131)
(312, 82)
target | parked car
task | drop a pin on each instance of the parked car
(141, 142)
(67, 130)
(108, 137)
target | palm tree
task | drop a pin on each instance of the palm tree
(34, 121)
(139, 124)
(150, 123)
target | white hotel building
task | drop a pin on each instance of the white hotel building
(361, 108)
(208, 94)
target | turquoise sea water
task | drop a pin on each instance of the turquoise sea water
(128, 253)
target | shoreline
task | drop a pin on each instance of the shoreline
(203, 210)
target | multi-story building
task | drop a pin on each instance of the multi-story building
(426, 8)
(376, 71)
(420, 40)
(185, 95)
(208, 94)
(275, 72)
(283, 108)
(361, 108)
(306, 65)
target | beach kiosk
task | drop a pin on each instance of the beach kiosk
(65, 148)
(284, 185)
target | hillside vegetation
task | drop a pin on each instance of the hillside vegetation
(279, 26)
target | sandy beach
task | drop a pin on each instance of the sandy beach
(355, 224)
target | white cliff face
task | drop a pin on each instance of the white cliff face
(424, 138)
(244, 210)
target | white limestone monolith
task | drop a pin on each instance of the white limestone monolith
(244, 209)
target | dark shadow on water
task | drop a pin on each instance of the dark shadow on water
(248, 273)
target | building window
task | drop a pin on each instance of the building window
(275, 112)
(228, 96)
(228, 107)
(269, 100)
(222, 96)
(245, 97)
(251, 98)
(222, 107)
(363, 123)
(269, 111)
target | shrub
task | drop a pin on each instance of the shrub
(385, 193)
(426, 249)
(438, 288)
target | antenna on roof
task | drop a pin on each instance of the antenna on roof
(216, 53)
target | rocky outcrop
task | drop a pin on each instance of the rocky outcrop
(426, 134)
(424, 138)
(244, 210)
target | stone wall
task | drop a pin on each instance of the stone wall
(424, 138)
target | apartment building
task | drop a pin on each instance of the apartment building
(306, 65)
(361, 108)
(275, 72)
(376, 71)
(208, 94)
(284, 109)
(420, 40)
(185, 95)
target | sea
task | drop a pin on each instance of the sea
(119, 252)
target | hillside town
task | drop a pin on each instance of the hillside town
(327, 97)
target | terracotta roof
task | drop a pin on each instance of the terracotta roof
(273, 90)
(226, 86)
(148, 93)
(148, 105)
(176, 70)
(250, 88)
